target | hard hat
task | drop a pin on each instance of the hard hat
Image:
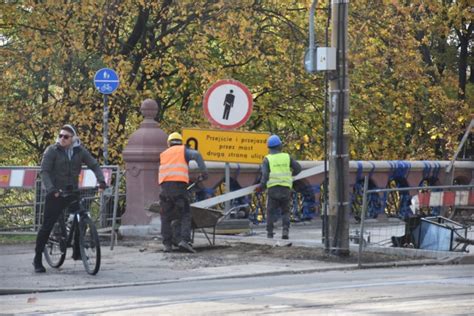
(273, 141)
(175, 137)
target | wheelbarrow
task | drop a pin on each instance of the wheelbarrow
(202, 218)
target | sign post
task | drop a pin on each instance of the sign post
(228, 105)
(106, 81)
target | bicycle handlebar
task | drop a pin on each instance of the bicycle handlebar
(76, 192)
(69, 193)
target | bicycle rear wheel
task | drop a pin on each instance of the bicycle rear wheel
(89, 245)
(55, 249)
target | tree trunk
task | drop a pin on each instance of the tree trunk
(463, 54)
(471, 77)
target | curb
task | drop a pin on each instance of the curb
(431, 258)
(347, 267)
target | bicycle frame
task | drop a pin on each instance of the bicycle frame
(79, 228)
(72, 228)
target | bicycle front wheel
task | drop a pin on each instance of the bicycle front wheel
(89, 245)
(55, 249)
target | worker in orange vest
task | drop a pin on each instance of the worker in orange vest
(174, 179)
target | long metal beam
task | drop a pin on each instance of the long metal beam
(250, 189)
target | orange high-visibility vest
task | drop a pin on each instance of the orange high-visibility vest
(173, 165)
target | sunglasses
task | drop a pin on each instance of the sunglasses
(64, 136)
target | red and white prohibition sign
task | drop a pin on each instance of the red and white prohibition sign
(228, 104)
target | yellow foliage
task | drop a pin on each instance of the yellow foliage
(173, 52)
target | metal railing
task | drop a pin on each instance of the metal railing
(382, 233)
(22, 207)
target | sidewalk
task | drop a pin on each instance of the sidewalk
(140, 261)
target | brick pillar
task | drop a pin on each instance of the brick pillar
(141, 156)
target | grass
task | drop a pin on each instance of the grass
(12, 239)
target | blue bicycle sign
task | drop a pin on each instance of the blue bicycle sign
(106, 80)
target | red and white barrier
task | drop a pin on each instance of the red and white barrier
(17, 178)
(446, 198)
(87, 178)
(26, 178)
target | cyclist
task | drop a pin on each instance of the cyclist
(173, 179)
(60, 169)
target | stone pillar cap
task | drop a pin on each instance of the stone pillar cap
(146, 143)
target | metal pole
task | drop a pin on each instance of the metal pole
(363, 211)
(113, 235)
(106, 128)
(339, 115)
(326, 109)
(227, 185)
(450, 167)
(312, 49)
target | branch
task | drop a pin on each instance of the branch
(36, 28)
(138, 31)
(239, 64)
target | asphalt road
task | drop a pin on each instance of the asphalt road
(426, 290)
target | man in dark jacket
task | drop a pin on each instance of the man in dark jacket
(60, 169)
(277, 171)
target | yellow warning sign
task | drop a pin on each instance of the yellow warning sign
(226, 146)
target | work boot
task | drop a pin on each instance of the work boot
(183, 245)
(38, 264)
(167, 248)
(175, 242)
(285, 234)
(285, 237)
(270, 235)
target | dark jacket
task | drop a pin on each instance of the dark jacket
(58, 172)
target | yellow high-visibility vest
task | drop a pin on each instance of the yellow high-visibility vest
(173, 165)
(280, 172)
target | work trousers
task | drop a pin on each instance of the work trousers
(278, 203)
(53, 207)
(175, 214)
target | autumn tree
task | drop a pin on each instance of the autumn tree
(172, 51)
(398, 97)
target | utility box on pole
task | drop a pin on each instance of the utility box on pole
(325, 58)
(339, 205)
(318, 58)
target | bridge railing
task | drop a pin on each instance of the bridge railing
(308, 190)
(308, 195)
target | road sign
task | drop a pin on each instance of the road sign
(228, 104)
(227, 146)
(106, 80)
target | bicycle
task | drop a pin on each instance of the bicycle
(78, 224)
